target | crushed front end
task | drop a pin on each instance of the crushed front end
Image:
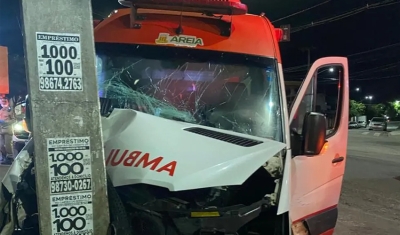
(193, 145)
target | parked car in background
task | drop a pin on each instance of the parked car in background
(378, 123)
(353, 125)
(362, 124)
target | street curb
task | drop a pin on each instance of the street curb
(395, 133)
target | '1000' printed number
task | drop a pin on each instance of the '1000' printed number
(59, 59)
(70, 219)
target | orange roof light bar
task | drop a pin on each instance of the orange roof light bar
(224, 7)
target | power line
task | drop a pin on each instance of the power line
(304, 66)
(377, 78)
(375, 49)
(355, 75)
(296, 68)
(375, 69)
(100, 14)
(345, 15)
(363, 79)
(299, 12)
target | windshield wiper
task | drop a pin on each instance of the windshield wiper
(180, 120)
(203, 122)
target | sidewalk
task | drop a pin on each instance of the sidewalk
(395, 129)
(395, 133)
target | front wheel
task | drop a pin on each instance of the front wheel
(145, 223)
(119, 221)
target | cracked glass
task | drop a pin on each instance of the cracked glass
(227, 91)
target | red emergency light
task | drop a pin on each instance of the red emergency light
(279, 34)
(224, 7)
(282, 34)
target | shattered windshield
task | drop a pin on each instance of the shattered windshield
(222, 90)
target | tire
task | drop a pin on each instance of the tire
(145, 223)
(142, 221)
(119, 220)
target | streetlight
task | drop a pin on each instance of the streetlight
(357, 89)
(369, 97)
(331, 70)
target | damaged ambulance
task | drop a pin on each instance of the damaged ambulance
(198, 135)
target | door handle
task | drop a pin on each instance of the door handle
(338, 159)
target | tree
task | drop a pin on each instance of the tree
(393, 109)
(356, 108)
(396, 105)
(377, 110)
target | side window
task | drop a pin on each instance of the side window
(307, 104)
(323, 95)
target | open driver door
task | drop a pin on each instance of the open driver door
(318, 151)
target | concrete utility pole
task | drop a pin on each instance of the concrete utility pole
(69, 157)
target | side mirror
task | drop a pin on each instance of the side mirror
(314, 133)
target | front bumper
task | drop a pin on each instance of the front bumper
(376, 127)
(227, 220)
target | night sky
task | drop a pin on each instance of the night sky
(367, 31)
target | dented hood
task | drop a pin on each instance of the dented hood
(142, 148)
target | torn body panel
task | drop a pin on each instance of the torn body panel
(182, 160)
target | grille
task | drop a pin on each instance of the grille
(244, 142)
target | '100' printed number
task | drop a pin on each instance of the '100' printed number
(58, 66)
(64, 222)
(65, 168)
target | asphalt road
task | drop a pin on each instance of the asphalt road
(370, 201)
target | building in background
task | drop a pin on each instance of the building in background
(292, 88)
(4, 81)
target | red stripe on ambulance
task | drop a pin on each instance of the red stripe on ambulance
(139, 159)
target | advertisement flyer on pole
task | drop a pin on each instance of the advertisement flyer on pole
(59, 61)
(70, 177)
